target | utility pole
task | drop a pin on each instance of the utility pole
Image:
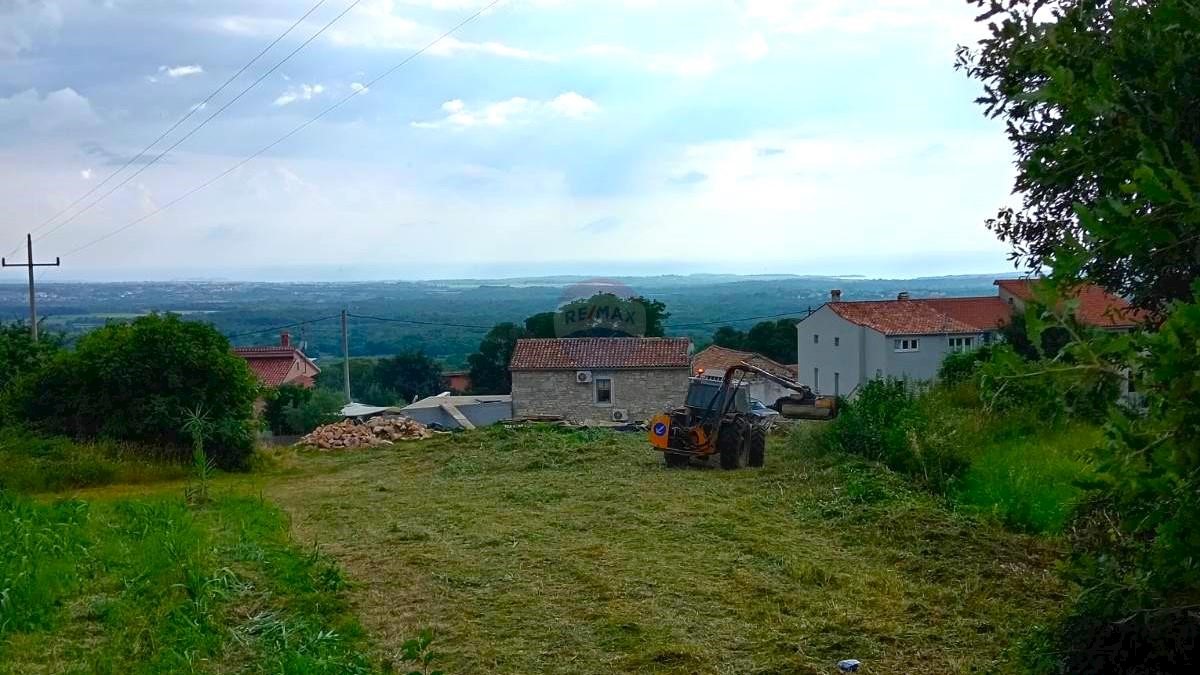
(33, 324)
(346, 356)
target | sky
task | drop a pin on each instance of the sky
(543, 137)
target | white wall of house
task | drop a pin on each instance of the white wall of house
(833, 358)
(844, 355)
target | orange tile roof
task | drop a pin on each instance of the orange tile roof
(986, 313)
(600, 353)
(1097, 307)
(271, 365)
(716, 359)
(901, 317)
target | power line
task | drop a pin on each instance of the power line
(420, 323)
(278, 328)
(289, 134)
(206, 120)
(745, 318)
(191, 111)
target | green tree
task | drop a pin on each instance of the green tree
(301, 417)
(409, 374)
(279, 401)
(20, 354)
(541, 325)
(730, 338)
(489, 366)
(1101, 99)
(137, 381)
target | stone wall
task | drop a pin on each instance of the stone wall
(643, 393)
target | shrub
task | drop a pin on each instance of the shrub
(960, 367)
(322, 407)
(135, 382)
(278, 401)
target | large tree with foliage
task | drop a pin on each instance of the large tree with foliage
(1101, 99)
(409, 374)
(489, 366)
(20, 354)
(773, 339)
(137, 381)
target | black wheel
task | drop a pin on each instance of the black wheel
(758, 447)
(675, 461)
(732, 446)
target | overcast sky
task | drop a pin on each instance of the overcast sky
(547, 136)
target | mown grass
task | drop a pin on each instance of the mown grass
(548, 550)
(33, 463)
(153, 586)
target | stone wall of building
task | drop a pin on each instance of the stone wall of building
(643, 393)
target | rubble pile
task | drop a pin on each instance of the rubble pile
(376, 433)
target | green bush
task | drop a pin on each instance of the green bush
(959, 367)
(135, 382)
(321, 407)
(39, 545)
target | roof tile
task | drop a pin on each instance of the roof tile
(600, 353)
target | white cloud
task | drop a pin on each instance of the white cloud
(570, 105)
(755, 48)
(62, 109)
(305, 92)
(181, 71)
(25, 22)
(359, 87)
(860, 16)
(86, 174)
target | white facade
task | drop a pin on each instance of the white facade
(837, 356)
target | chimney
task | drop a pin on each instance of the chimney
(285, 339)
(835, 295)
(902, 295)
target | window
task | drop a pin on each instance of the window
(603, 390)
(816, 338)
(837, 341)
(837, 384)
(906, 344)
(961, 344)
(816, 380)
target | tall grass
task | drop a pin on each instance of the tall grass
(159, 587)
(1015, 465)
(33, 463)
(1031, 482)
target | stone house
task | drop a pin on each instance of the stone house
(599, 380)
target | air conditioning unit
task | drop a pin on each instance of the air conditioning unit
(620, 415)
(583, 376)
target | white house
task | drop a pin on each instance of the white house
(842, 345)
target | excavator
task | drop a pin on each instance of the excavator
(718, 419)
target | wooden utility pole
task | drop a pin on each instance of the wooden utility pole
(33, 323)
(346, 357)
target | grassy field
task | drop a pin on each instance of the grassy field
(526, 550)
(578, 552)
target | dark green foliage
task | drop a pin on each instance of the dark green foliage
(1049, 343)
(135, 381)
(410, 375)
(1057, 390)
(773, 339)
(540, 325)
(959, 367)
(1101, 102)
(279, 401)
(322, 407)
(19, 354)
(489, 366)
(889, 422)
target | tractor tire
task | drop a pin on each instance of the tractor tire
(758, 447)
(675, 461)
(733, 446)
